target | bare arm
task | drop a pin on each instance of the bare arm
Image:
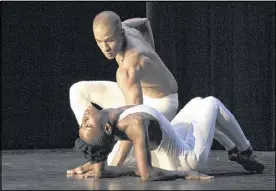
(97, 169)
(137, 132)
(123, 151)
(128, 79)
(142, 25)
(136, 23)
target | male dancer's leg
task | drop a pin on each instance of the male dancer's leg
(106, 94)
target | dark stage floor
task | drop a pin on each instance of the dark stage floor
(46, 170)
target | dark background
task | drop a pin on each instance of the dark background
(224, 49)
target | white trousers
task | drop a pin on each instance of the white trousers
(205, 116)
(107, 94)
(188, 138)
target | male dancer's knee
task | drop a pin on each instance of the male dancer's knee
(212, 100)
(76, 89)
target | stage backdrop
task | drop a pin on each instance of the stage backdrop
(226, 50)
(220, 49)
(46, 47)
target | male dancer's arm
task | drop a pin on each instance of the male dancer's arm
(128, 79)
(142, 25)
(136, 23)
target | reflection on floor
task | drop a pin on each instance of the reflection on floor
(46, 170)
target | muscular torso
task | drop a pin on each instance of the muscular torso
(157, 80)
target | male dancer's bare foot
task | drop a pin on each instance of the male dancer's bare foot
(80, 170)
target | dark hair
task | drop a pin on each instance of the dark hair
(97, 150)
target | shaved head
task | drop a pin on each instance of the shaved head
(107, 18)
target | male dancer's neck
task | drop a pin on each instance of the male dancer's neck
(121, 53)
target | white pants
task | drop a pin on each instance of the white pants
(187, 146)
(197, 122)
(107, 94)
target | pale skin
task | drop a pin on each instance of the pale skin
(135, 128)
(140, 69)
